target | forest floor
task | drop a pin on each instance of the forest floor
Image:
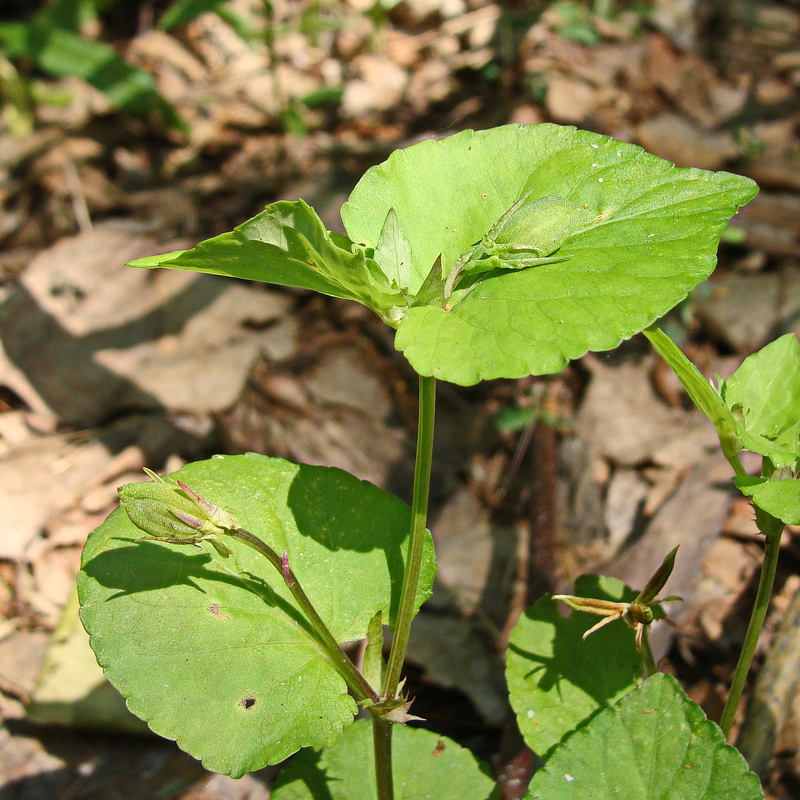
(602, 468)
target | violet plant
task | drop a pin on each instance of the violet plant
(217, 599)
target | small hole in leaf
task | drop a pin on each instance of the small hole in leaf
(247, 703)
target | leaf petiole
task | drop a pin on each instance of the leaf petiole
(355, 680)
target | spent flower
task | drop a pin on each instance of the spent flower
(639, 614)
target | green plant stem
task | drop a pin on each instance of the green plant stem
(355, 680)
(419, 516)
(772, 529)
(381, 727)
(702, 394)
(648, 658)
(382, 747)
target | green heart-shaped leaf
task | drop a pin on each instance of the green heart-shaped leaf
(764, 397)
(426, 766)
(227, 666)
(556, 679)
(654, 744)
(651, 234)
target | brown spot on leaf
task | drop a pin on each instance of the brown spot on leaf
(217, 612)
(247, 702)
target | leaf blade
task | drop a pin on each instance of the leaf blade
(652, 236)
(175, 632)
(766, 391)
(288, 245)
(653, 744)
(427, 766)
(552, 671)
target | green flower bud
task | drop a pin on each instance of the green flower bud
(170, 511)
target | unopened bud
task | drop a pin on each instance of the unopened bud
(170, 511)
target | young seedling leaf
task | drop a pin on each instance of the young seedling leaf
(556, 678)
(650, 234)
(426, 766)
(287, 244)
(654, 744)
(229, 667)
(764, 396)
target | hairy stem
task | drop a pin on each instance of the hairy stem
(772, 529)
(355, 680)
(419, 515)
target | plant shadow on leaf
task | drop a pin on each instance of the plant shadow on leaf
(563, 667)
(305, 776)
(568, 678)
(428, 765)
(342, 512)
(150, 566)
(572, 653)
(343, 537)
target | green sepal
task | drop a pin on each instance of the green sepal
(170, 511)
